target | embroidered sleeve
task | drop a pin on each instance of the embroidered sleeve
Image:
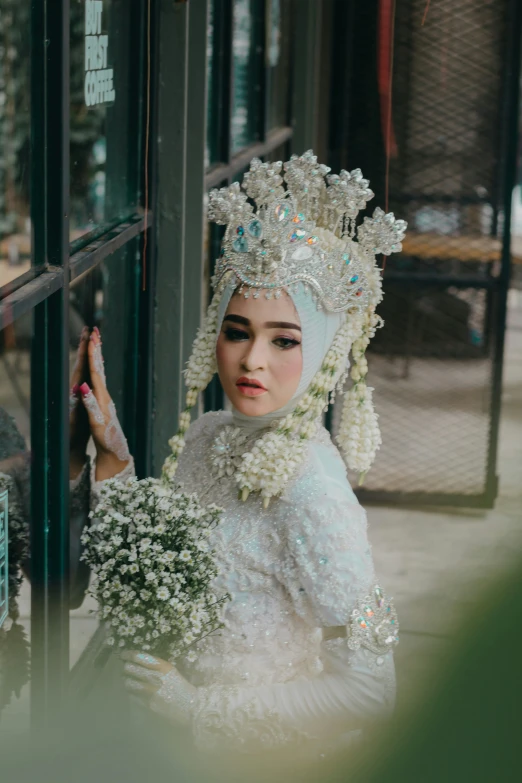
(326, 564)
(127, 472)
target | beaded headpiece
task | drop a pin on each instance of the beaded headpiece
(306, 234)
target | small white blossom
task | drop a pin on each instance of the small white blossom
(147, 508)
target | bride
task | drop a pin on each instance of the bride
(306, 652)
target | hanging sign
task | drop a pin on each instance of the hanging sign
(4, 574)
(99, 78)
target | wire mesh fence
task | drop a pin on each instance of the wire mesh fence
(434, 366)
(432, 381)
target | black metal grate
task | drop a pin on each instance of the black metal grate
(435, 364)
(448, 94)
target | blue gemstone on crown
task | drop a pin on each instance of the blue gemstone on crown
(272, 208)
(240, 244)
(255, 228)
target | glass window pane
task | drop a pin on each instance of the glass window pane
(247, 53)
(105, 298)
(105, 71)
(15, 225)
(282, 152)
(15, 498)
(217, 87)
(278, 62)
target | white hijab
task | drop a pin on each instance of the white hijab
(318, 329)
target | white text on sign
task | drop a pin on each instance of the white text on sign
(99, 87)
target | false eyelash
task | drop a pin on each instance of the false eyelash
(291, 342)
(231, 333)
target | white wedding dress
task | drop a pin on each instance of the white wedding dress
(306, 652)
(305, 657)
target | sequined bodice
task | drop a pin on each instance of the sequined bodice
(278, 564)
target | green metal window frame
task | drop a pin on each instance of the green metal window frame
(44, 290)
(299, 132)
(183, 180)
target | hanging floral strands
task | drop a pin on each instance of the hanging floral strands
(304, 234)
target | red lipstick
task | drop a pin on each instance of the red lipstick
(250, 387)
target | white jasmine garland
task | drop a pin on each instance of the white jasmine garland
(359, 436)
(139, 568)
(359, 433)
(201, 366)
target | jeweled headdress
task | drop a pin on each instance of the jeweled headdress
(277, 237)
(304, 233)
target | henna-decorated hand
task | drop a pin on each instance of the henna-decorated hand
(112, 451)
(79, 429)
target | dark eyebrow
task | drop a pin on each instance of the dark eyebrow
(239, 319)
(281, 325)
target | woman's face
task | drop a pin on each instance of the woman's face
(259, 353)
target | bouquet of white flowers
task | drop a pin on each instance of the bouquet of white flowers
(153, 566)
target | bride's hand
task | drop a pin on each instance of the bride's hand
(79, 430)
(112, 451)
(160, 685)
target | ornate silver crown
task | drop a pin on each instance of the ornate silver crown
(304, 233)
